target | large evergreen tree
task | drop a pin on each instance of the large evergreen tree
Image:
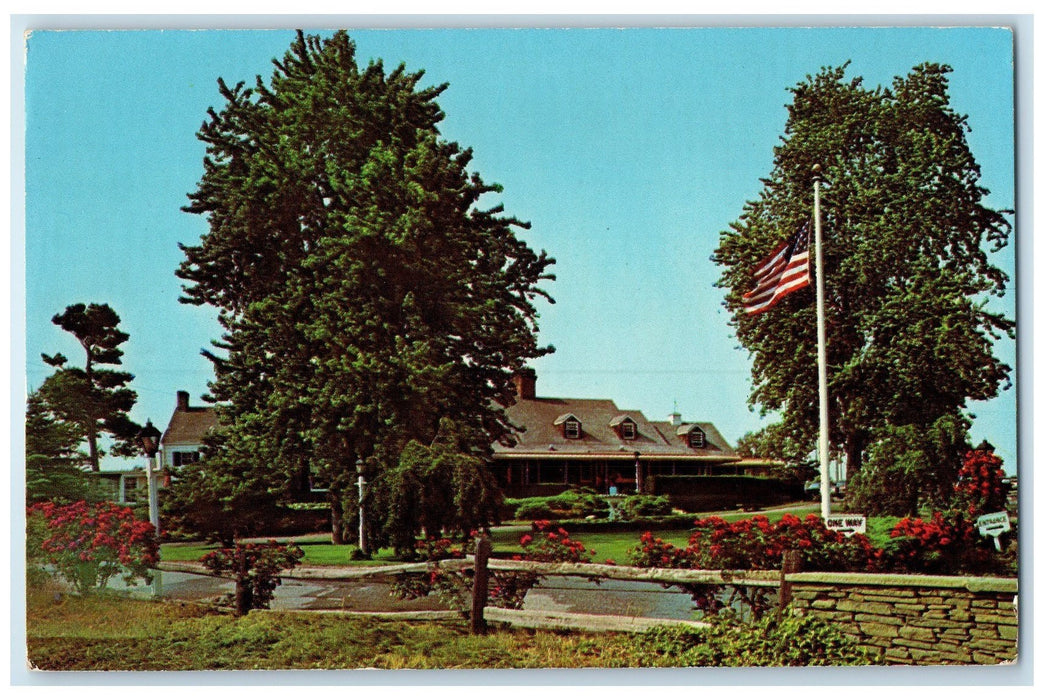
(363, 292)
(54, 461)
(907, 270)
(94, 399)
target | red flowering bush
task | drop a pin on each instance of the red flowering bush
(255, 568)
(980, 486)
(949, 542)
(89, 543)
(757, 543)
(552, 544)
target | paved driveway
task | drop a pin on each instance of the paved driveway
(554, 594)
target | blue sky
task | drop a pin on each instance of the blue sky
(629, 151)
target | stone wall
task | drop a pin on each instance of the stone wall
(917, 620)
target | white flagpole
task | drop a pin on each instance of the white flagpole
(824, 422)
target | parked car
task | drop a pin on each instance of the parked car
(812, 489)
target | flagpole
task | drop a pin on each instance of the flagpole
(824, 422)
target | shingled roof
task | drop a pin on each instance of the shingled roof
(189, 424)
(540, 434)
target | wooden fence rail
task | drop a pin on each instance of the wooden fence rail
(482, 565)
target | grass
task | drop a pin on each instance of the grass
(110, 633)
(607, 545)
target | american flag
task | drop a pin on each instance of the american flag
(784, 271)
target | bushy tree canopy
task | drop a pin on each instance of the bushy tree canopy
(908, 275)
(363, 291)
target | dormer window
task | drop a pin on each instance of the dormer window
(697, 438)
(572, 429)
(625, 427)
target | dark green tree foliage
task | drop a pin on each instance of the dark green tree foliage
(908, 277)
(222, 496)
(910, 468)
(94, 399)
(436, 489)
(53, 459)
(363, 292)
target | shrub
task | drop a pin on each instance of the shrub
(255, 568)
(755, 543)
(581, 503)
(89, 543)
(575, 503)
(640, 506)
(787, 639)
(507, 589)
(981, 486)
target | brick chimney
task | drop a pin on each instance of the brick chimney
(525, 383)
(183, 401)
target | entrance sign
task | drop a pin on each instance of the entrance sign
(993, 525)
(846, 524)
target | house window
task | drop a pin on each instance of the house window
(181, 458)
(697, 438)
(628, 430)
(571, 429)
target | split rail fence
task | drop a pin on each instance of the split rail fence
(482, 565)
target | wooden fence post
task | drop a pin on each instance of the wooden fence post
(791, 565)
(480, 588)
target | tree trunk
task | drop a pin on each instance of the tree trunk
(853, 455)
(336, 517)
(92, 427)
(244, 591)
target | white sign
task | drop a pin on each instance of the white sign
(847, 525)
(992, 525)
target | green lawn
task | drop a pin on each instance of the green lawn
(607, 545)
(317, 548)
(111, 633)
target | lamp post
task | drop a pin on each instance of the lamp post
(148, 439)
(637, 472)
(363, 549)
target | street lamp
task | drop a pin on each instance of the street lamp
(362, 508)
(148, 439)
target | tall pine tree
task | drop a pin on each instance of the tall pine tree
(95, 398)
(363, 291)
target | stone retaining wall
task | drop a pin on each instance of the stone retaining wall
(918, 620)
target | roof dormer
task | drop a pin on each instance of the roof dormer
(693, 435)
(570, 425)
(625, 427)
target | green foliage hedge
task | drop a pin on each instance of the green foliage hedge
(584, 503)
(787, 639)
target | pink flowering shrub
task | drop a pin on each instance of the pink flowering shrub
(89, 543)
(255, 568)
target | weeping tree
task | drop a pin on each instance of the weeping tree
(363, 291)
(906, 258)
